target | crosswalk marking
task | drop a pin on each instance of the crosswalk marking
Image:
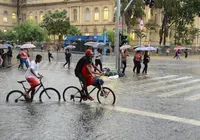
(164, 81)
(178, 92)
(172, 86)
(193, 98)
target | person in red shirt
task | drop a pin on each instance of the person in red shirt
(85, 72)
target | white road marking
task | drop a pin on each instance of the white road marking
(178, 92)
(170, 86)
(153, 115)
(163, 81)
(193, 98)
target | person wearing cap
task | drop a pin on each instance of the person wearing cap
(84, 71)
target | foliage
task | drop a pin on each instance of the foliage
(178, 14)
(74, 31)
(56, 23)
(135, 11)
(29, 31)
(111, 35)
(10, 35)
(139, 33)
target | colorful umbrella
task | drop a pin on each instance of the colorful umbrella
(70, 47)
(179, 48)
(125, 47)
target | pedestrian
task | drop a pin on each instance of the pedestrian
(178, 54)
(67, 58)
(134, 62)
(50, 56)
(186, 53)
(138, 58)
(9, 56)
(23, 59)
(124, 55)
(42, 45)
(98, 56)
(146, 60)
(167, 52)
(1, 60)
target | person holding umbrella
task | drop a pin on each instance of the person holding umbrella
(145, 62)
(98, 55)
(138, 58)
(124, 55)
(9, 55)
(67, 58)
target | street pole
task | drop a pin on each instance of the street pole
(117, 36)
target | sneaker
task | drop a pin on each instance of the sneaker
(90, 98)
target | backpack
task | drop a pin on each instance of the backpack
(18, 56)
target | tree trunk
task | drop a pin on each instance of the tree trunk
(18, 12)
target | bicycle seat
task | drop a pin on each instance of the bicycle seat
(21, 81)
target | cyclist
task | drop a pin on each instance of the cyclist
(84, 71)
(32, 76)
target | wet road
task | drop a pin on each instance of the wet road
(163, 105)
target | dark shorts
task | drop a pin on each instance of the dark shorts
(98, 82)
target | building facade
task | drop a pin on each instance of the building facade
(92, 17)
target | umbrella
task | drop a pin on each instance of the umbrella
(8, 45)
(27, 46)
(179, 48)
(138, 46)
(95, 44)
(3, 46)
(151, 48)
(70, 47)
(125, 47)
(141, 49)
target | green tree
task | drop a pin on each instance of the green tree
(178, 14)
(56, 23)
(135, 11)
(111, 35)
(74, 31)
(10, 35)
(29, 31)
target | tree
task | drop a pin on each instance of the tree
(19, 4)
(29, 31)
(135, 11)
(178, 14)
(74, 31)
(56, 23)
(139, 34)
(10, 35)
(111, 35)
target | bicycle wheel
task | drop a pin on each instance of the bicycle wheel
(15, 96)
(49, 95)
(72, 93)
(107, 96)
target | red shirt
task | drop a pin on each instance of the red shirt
(86, 74)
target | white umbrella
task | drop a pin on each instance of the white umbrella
(95, 44)
(28, 46)
(138, 46)
(151, 48)
(70, 47)
(141, 49)
(125, 47)
(90, 43)
(3, 46)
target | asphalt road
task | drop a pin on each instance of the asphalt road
(163, 105)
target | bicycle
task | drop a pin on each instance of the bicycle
(103, 94)
(17, 95)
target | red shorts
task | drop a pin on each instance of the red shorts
(33, 82)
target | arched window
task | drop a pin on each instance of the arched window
(41, 16)
(14, 18)
(105, 13)
(75, 15)
(30, 16)
(96, 14)
(5, 16)
(87, 14)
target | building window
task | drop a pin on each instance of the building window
(105, 13)
(75, 15)
(41, 16)
(14, 18)
(5, 16)
(30, 16)
(87, 14)
(96, 14)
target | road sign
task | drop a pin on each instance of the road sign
(141, 24)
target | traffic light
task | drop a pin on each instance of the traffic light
(123, 39)
(149, 3)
